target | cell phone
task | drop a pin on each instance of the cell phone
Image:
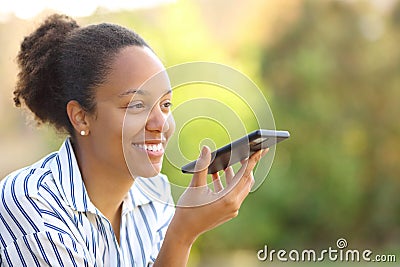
(240, 149)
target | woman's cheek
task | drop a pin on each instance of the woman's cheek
(171, 126)
(133, 123)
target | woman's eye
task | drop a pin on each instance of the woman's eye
(167, 104)
(136, 105)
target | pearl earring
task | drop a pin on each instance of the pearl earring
(83, 132)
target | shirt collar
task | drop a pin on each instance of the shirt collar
(147, 190)
(70, 184)
(69, 181)
(134, 198)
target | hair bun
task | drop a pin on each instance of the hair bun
(61, 61)
(38, 52)
(42, 42)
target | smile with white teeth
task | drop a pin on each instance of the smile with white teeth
(150, 147)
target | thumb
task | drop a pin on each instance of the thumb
(201, 168)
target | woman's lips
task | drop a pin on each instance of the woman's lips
(152, 149)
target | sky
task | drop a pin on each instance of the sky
(27, 9)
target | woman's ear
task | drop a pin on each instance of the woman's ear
(78, 117)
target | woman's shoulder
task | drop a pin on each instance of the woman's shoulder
(28, 179)
(28, 174)
(21, 193)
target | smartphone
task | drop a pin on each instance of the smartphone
(240, 149)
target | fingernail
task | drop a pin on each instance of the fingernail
(203, 151)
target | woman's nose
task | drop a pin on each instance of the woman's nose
(157, 120)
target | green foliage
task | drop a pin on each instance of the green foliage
(337, 91)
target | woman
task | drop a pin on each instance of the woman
(85, 205)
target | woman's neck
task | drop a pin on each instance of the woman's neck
(106, 187)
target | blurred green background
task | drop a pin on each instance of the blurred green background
(330, 71)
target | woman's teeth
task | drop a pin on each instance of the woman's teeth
(150, 147)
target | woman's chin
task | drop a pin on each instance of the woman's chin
(149, 174)
(145, 168)
(150, 171)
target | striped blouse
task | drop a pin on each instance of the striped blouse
(47, 219)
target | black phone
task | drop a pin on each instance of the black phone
(240, 149)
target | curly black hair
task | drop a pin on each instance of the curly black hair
(61, 61)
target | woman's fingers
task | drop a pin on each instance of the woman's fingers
(201, 168)
(243, 191)
(264, 151)
(244, 177)
(229, 174)
(217, 182)
(204, 209)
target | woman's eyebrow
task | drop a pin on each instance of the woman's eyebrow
(169, 91)
(132, 92)
(140, 92)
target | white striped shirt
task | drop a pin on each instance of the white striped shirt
(47, 219)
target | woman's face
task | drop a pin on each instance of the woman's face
(133, 122)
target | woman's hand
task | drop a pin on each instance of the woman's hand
(200, 209)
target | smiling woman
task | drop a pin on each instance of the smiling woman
(85, 204)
